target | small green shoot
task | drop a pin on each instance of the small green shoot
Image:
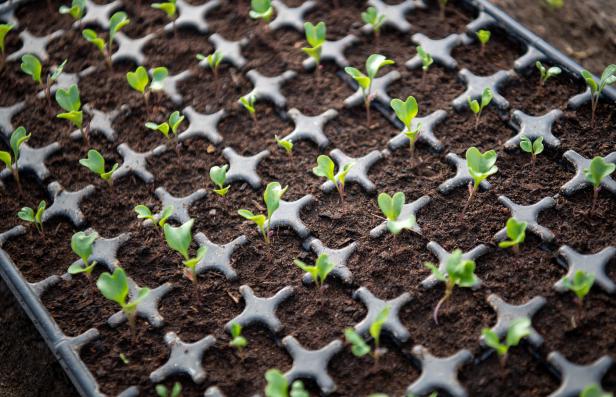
(516, 232)
(272, 195)
(70, 101)
(372, 17)
(476, 107)
(18, 138)
(31, 66)
(82, 245)
(169, 8)
(179, 239)
(115, 288)
(392, 208)
(143, 212)
(580, 284)
(35, 217)
(237, 340)
(315, 36)
(321, 269)
(95, 162)
(375, 330)
(546, 73)
(124, 359)
(426, 60)
(406, 111)
(278, 386)
(483, 36)
(4, 30)
(248, 102)
(359, 347)
(163, 391)
(213, 61)
(218, 175)
(518, 329)
(261, 9)
(117, 21)
(325, 169)
(598, 170)
(480, 167)
(533, 147)
(285, 144)
(595, 391)
(171, 125)
(139, 80)
(75, 10)
(608, 77)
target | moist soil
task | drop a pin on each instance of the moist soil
(388, 266)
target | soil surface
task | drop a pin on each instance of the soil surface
(388, 266)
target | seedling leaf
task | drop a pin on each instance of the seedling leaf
(359, 347)
(31, 66)
(516, 232)
(179, 238)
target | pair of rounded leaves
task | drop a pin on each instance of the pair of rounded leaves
(373, 64)
(486, 97)
(325, 169)
(278, 386)
(115, 287)
(480, 165)
(598, 170)
(458, 271)
(18, 137)
(518, 329)
(139, 79)
(179, 239)
(391, 206)
(95, 162)
(516, 232)
(70, 101)
(261, 9)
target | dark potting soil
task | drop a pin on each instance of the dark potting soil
(388, 266)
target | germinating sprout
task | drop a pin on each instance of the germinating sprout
(458, 271)
(476, 107)
(595, 390)
(31, 66)
(124, 359)
(164, 391)
(179, 239)
(373, 64)
(608, 77)
(237, 340)
(315, 35)
(115, 287)
(325, 169)
(580, 284)
(82, 245)
(143, 212)
(359, 347)
(285, 144)
(406, 112)
(248, 102)
(218, 175)
(117, 21)
(171, 125)
(483, 36)
(426, 59)
(4, 29)
(95, 162)
(547, 73)
(392, 208)
(376, 328)
(278, 386)
(35, 217)
(70, 101)
(480, 167)
(169, 8)
(18, 138)
(319, 271)
(372, 17)
(213, 60)
(76, 9)
(516, 233)
(598, 170)
(139, 80)
(533, 147)
(261, 9)
(518, 329)
(272, 195)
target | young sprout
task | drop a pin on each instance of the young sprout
(248, 102)
(144, 212)
(278, 386)
(139, 80)
(426, 60)
(325, 169)
(547, 73)
(555, 4)
(285, 144)
(580, 284)
(516, 232)
(595, 390)
(373, 64)
(321, 269)
(95, 162)
(483, 36)
(124, 359)
(179, 239)
(608, 77)
(18, 137)
(4, 29)
(218, 175)
(518, 329)
(117, 21)
(315, 35)
(261, 9)
(272, 195)
(598, 170)
(31, 66)
(533, 147)
(69, 100)
(476, 108)
(359, 347)
(213, 61)
(237, 340)
(115, 288)
(375, 330)
(29, 215)
(406, 112)
(81, 244)
(480, 167)
(392, 208)
(442, 4)
(173, 124)
(75, 10)
(163, 391)
(372, 17)
(170, 9)
(458, 271)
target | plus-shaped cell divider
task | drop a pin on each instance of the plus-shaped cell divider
(527, 61)
(193, 16)
(170, 86)
(333, 50)
(358, 172)
(268, 88)
(100, 122)
(533, 127)
(129, 49)
(185, 358)
(482, 21)
(7, 14)
(290, 17)
(578, 100)
(579, 181)
(180, 204)
(528, 214)
(131, 391)
(67, 204)
(147, 308)
(261, 310)
(34, 45)
(439, 372)
(65, 80)
(392, 324)
(288, 214)
(378, 90)
(218, 257)
(231, 51)
(136, 163)
(476, 84)
(439, 49)
(105, 250)
(395, 14)
(442, 255)
(409, 209)
(462, 177)
(427, 123)
(244, 168)
(98, 14)
(574, 378)
(506, 313)
(33, 160)
(310, 127)
(338, 257)
(6, 117)
(312, 364)
(201, 125)
(591, 263)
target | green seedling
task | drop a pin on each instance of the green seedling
(480, 167)
(82, 245)
(483, 36)
(170, 9)
(595, 391)
(31, 66)
(5, 28)
(278, 386)
(117, 21)
(476, 107)
(248, 102)
(35, 217)
(518, 329)
(608, 77)
(285, 144)
(442, 4)
(75, 10)
(144, 212)
(458, 272)
(261, 9)
(70, 101)
(272, 195)
(163, 391)
(139, 80)
(406, 112)
(516, 232)
(315, 35)
(533, 147)
(373, 64)
(172, 125)
(546, 73)
(95, 162)
(115, 287)
(237, 340)
(179, 239)
(325, 169)
(555, 4)
(372, 17)
(359, 347)
(321, 269)
(376, 328)
(598, 170)
(18, 138)
(426, 60)
(124, 359)
(580, 284)
(392, 208)
(218, 175)
(213, 61)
